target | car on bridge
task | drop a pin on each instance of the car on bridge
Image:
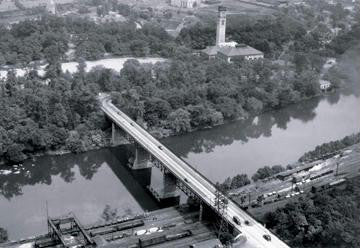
(237, 220)
(267, 237)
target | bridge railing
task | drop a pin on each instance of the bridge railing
(144, 132)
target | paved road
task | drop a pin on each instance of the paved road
(199, 184)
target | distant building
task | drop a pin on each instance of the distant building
(239, 51)
(221, 26)
(285, 175)
(324, 84)
(229, 50)
(51, 7)
(189, 4)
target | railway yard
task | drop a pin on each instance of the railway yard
(265, 196)
(169, 227)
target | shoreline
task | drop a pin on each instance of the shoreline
(158, 133)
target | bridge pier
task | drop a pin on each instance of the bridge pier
(167, 194)
(142, 159)
(116, 135)
(169, 183)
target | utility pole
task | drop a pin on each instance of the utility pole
(221, 204)
(337, 169)
(201, 212)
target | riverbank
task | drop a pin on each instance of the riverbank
(159, 133)
(77, 182)
(276, 191)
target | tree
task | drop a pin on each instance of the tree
(227, 106)
(254, 105)
(239, 181)
(135, 73)
(139, 48)
(11, 83)
(59, 116)
(15, 153)
(74, 143)
(327, 219)
(155, 110)
(53, 70)
(179, 121)
(277, 169)
(300, 62)
(267, 171)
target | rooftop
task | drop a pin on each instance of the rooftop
(324, 82)
(211, 50)
(240, 50)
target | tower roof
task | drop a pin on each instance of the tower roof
(222, 8)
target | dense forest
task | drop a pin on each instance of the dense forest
(36, 117)
(190, 92)
(49, 38)
(326, 219)
(59, 111)
(330, 147)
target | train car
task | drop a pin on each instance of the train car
(128, 225)
(181, 235)
(151, 240)
(120, 227)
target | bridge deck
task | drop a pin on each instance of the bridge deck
(202, 187)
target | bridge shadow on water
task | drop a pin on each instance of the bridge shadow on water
(135, 181)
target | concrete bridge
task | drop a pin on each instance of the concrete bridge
(179, 174)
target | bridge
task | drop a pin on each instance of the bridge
(186, 177)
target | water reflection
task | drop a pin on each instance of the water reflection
(279, 137)
(335, 121)
(135, 181)
(82, 183)
(252, 128)
(40, 171)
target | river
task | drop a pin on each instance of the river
(86, 183)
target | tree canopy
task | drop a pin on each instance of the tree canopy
(327, 219)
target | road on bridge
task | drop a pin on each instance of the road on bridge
(194, 180)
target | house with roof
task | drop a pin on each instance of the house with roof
(324, 84)
(229, 50)
(189, 4)
(229, 53)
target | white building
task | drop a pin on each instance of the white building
(51, 7)
(189, 4)
(240, 51)
(229, 50)
(324, 84)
